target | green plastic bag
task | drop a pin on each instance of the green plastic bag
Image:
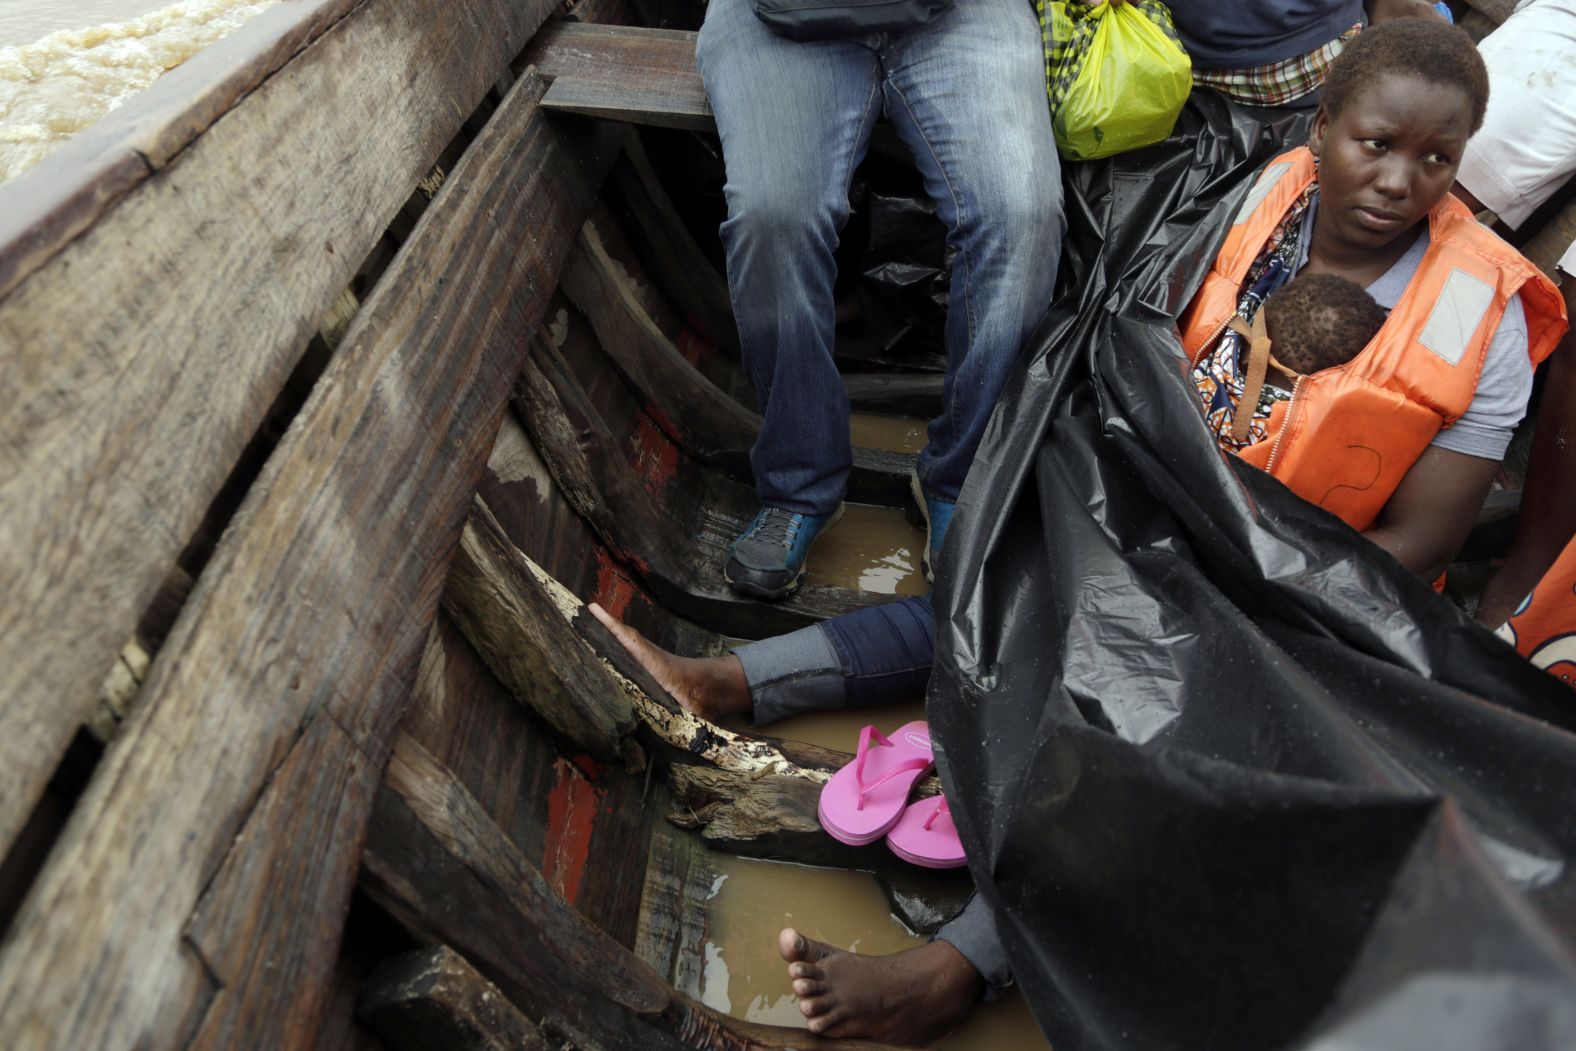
(1117, 76)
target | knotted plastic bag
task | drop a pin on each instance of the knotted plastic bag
(1117, 76)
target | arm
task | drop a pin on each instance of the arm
(1548, 503)
(1433, 509)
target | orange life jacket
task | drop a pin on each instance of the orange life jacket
(1543, 630)
(1349, 434)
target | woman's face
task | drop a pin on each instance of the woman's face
(1388, 157)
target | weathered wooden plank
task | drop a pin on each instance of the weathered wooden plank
(317, 603)
(704, 420)
(433, 998)
(676, 262)
(140, 360)
(561, 629)
(771, 816)
(648, 71)
(519, 490)
(708, 424)
(582, 820)
(42, 210)
(514, 629)
(437, 863)
(654, 101)
(674, 922)
(292, 867)
(467, 719)
(896, 393)
(684, 574)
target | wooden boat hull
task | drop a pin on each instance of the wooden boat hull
(337, 569)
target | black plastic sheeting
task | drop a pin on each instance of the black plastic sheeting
(1232, 777)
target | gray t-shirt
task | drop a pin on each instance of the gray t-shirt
(1505, 384)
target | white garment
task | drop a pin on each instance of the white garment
(1527, 147)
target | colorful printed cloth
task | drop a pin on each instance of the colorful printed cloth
(1276, 83)
(1221, 373)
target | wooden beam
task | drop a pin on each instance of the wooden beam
(686, 276)
(515, 628)
(285, 889)
(433, 998)
(140, 354)
(525, 611)
(652, 101)
(683, 573)
(438, 864)
(626, 73)
(770, 816)
(314, 610)
(708, 424)
(895, 393)
(519, 490)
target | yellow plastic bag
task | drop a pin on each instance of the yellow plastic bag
(1117, 76)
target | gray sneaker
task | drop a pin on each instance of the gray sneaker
(767, 559)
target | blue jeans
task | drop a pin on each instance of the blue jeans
(966, 93)
(862, 659)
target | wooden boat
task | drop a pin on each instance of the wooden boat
(339, 369)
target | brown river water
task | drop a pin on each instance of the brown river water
(24, 21)
(66, 63)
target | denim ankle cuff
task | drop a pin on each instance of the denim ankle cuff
(792, 674)
(973, 933)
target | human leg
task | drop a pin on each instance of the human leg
(794, 120)
(911, 997)
(864, 659)
(870, 657)
(967, 94)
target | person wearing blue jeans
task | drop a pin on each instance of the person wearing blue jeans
(863, 659)
(966, 93)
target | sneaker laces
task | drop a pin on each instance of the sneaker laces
(775, 526)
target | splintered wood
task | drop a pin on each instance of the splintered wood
(199, 892)
(139, 358)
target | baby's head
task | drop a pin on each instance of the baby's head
(1319, 321)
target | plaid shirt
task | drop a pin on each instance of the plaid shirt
(1277, 83)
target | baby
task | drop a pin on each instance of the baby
(1315, 322)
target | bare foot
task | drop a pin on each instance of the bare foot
(710, 687)
(913, 997)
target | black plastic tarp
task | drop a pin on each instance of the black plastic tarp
(1232, 777)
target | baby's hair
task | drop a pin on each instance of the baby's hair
(1429, 48)
(1319, 321)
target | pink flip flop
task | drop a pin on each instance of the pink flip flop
(864, 799)
(925, 835)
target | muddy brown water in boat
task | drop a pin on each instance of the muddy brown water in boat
(899, 434)
(875, 549)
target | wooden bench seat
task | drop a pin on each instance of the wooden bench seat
(623, 73)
